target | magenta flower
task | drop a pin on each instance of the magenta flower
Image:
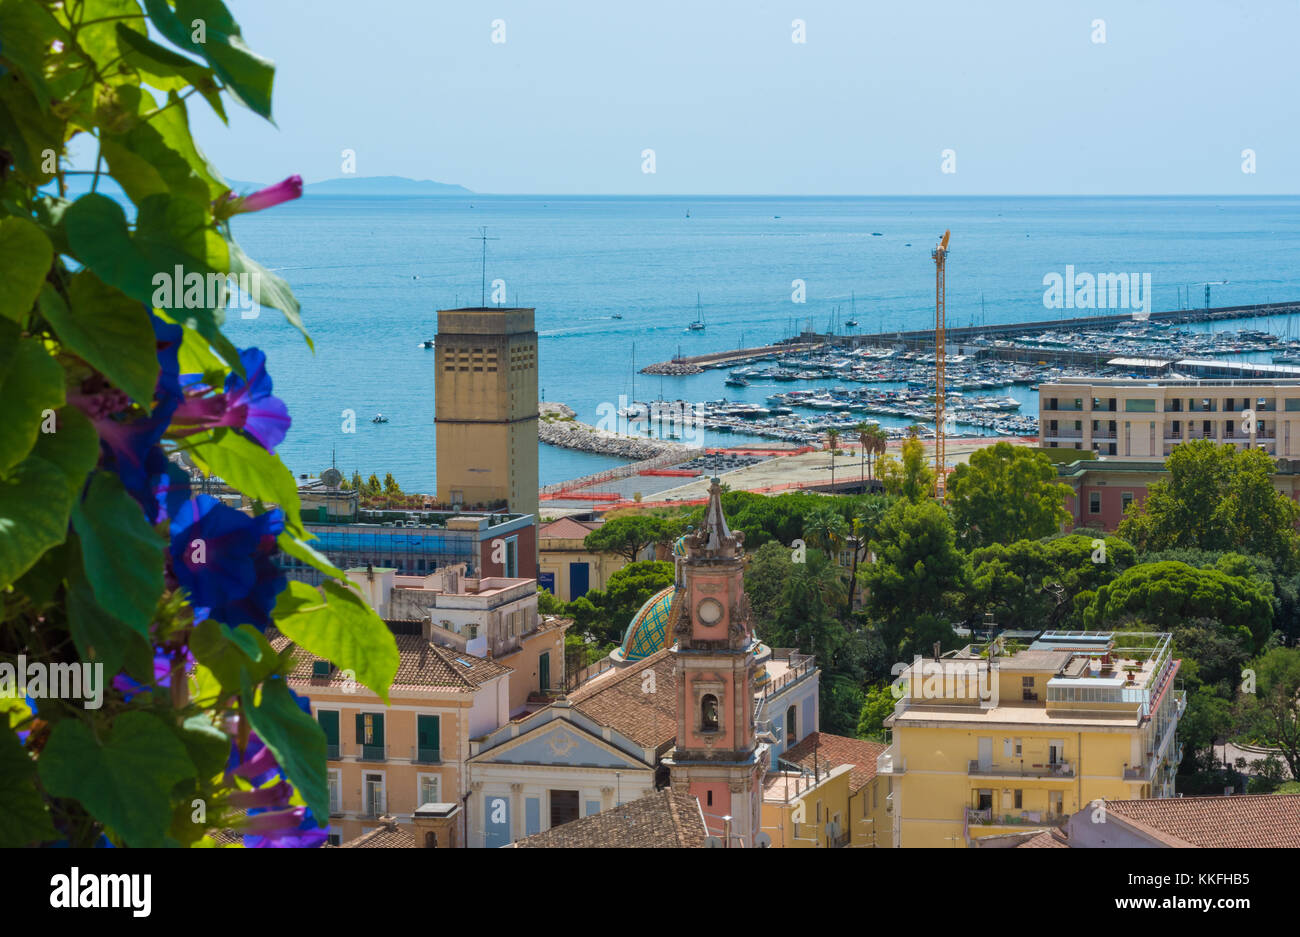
(273, 195)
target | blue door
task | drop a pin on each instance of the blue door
(579, 580)
(546, 581)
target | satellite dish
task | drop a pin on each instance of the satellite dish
(763, 841)
(713, 842)
(332, 477)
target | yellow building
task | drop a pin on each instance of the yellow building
(827, 794)
(987, 743)
(566, 567)
(486, 401)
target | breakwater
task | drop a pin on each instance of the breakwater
(557, 426)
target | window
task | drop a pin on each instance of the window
(430, 789)
(320, 668)
(985, 799)
(430, 840)
(1020, 748)
(1094, 502)
(709, 713)
(374, 795)
(1020, 798)
(1140, 405)
(709, 797)
(564, 807)
(336, 791)
(1125, 499)
(791, 727)
(370, 735)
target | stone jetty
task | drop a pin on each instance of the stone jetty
(557, 426)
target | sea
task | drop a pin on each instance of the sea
(371, 273)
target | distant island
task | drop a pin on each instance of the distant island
(383, 185)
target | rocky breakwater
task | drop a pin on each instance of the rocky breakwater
(672, 368)
(557, 426)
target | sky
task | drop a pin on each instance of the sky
(1020, 93)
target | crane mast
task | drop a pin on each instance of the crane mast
(940, 256)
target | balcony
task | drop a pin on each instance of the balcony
(426, 756)
(987, 817)
(333, 751)
(1060, 769)
(373, 753)
(888, 763)
(1141, 773)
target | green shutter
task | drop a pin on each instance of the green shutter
(361, 728)
(429, 732)
(379, 728)
(329, 722)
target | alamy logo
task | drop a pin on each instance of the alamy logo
(956, 679)
(103, 891)
(194, 290)
(81, 681)
(1102, 291)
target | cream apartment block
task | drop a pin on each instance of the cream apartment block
(1142, 419)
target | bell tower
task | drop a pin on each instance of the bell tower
(717, 757)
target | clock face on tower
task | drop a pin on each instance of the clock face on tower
(709, 611)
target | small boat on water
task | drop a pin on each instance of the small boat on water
(617, 315)
(698, 324)
(379, 418)
(735, 380)
(427, 343)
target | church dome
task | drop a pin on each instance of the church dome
(648, 630)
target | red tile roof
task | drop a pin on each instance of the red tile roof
(620, 700)
(831, 751)
(663, 820)
(421, 664)
(1239, 821)
(565, 528)
(388, 835)
(1048, 839)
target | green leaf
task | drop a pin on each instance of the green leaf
(109, 330)
(247, 75)
(196, 357)
(268, 289)
(167, 71)
(309, 555)
(99, 637)
(28, 30)
(73, 447)
(23, 818)
(208, 746)
(29, 130)
(124, 781)
(34, 507)
(294, 737)
(259, 474)
(214, 646)
(341, 628)
(25, 258)
(99, 238)
(31, 382)
(123, 554)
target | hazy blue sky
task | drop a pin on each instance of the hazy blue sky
(730, 104)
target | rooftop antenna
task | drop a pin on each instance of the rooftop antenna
(482, 236)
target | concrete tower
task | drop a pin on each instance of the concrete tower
(486, 395)
(717, 757)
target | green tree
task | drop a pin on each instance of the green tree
(391, 488)
(877, 706)
(912, 477)
(1006, 493)
(766, 574)
(1217, 498)
(826, 529)
(1169, 593)
(357, 483)
(627, 535)
(624, 594)
(373, 488)
(841, 703)
(1272, 713)
(918, 572)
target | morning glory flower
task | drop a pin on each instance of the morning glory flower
(281, 192)
(247, 404)
(223, 558)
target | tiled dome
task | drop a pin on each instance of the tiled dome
(648, 629)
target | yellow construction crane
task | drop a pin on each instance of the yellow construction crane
(940, 256)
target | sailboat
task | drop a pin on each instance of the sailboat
(698, 324)
(852, 321)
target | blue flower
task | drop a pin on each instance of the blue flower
(224, 559)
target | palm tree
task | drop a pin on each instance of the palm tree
(826, 529)
(875, 441)
(914, 431)
(865, 523)
(833, 437)
(864, 438)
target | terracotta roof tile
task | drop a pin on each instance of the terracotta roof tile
(565, 528)
(388, 835)
(663, 820)
(619, 701)
(1048, 839)
(421, 664)
(1250, 821)
(831, 751)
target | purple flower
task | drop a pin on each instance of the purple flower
(246, 405)
(164, 665)
(223, 558)
(285, 191)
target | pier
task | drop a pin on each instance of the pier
(917, 339)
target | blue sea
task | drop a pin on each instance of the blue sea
(371, 273)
